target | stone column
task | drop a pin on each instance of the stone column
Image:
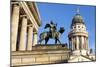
(82, 42)
(72, 43)
(69, 44)
(14, 26)
(30, 36)
(87, 43)
(22, 43)
(34, 38)
(77, 42)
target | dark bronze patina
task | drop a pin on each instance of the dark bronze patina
(52, 33)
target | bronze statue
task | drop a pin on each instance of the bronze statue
(52, 33)
(52, 28)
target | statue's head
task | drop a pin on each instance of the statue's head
(61, 30)
(51, 22)
(46, 26)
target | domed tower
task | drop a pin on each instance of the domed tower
(78, 36)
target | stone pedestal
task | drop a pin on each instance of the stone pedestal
(49, 47)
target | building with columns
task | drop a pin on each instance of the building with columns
(79, 40)
(25, 21)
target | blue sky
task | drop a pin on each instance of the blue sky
(62, 14)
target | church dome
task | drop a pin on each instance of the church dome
(77, 19)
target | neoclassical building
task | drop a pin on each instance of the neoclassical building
(25, 21)
(79, 40)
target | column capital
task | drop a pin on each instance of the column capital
(24, 16)
(35, 33)
(15, 3)
(30, 25)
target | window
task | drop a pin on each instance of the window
(78, 26)
(74, 27)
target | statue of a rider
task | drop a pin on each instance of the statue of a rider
(52, 28)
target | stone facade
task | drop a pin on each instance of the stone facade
(41, 55)
(25, 21)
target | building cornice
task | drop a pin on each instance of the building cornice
(35, 12)
(78, 34)
(29, 14)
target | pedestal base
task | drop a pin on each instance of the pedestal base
(49, 47)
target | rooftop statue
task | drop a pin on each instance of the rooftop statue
(52, 33)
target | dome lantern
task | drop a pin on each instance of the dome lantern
(77, 18)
